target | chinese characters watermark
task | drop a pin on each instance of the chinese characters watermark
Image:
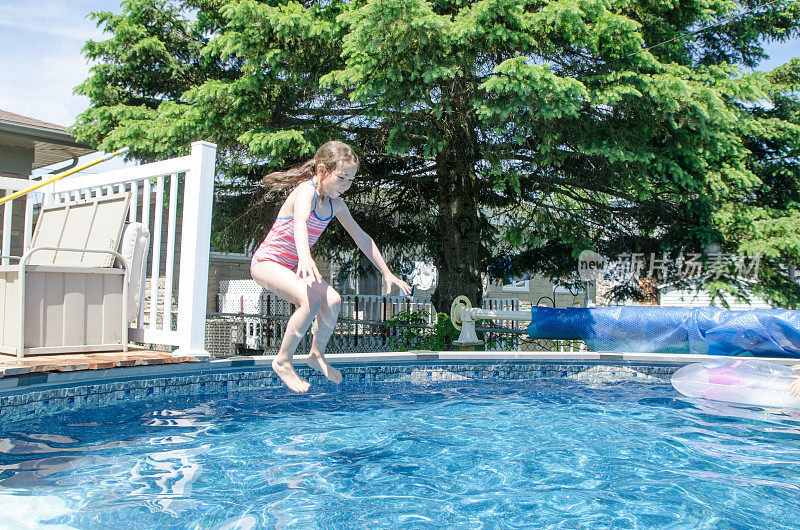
(664, 267)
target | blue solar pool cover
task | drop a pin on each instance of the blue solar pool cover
(706, 330)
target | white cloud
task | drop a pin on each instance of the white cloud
(41, 57)
(39, 28)
(53, 17)
(46, 92)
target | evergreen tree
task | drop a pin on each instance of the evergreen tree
(499, 135)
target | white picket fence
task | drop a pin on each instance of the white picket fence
(256, 304)
(247, 297)
(162, 195)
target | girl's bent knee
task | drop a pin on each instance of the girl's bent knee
(334, 302)
(313, 302)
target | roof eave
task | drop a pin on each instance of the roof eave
(38, 134)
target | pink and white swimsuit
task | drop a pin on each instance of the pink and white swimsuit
(279, 245)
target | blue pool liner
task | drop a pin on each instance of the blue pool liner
(704, 330)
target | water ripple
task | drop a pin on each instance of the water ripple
(548, 453)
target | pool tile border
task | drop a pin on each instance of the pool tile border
(33, 395)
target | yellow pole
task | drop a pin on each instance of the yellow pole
(60, 176)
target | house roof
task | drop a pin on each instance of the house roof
(51, 143)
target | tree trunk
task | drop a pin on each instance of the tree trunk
(457, 257)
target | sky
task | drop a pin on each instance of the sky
(41, 60)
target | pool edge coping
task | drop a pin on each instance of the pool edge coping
(35, 380)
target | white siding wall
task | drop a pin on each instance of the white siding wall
(675, 298)
(16, 160)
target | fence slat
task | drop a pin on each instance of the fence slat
(146, 221)
(156, 263)
(171, 216)
(134, 202)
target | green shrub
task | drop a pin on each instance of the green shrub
(439, 337)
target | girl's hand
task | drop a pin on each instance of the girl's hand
(794, 388)
(390, 279)
(307, 271)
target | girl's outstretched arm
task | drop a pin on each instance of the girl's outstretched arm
(369, 248)
(306, 267)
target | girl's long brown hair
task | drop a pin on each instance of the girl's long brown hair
(329, 154)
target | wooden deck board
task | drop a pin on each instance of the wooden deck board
(70, 362)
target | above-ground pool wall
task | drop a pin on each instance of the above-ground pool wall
(42, 394)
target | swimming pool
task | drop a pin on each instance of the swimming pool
(418, 451)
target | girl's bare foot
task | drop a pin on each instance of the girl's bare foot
(286, 372)
(318, 362)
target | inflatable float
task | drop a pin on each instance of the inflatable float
(742, 381)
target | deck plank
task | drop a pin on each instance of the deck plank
(70, 362)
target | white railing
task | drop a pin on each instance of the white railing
(163, 194)
(502, 304)
(10, 227)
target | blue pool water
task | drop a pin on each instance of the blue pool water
(490, 454)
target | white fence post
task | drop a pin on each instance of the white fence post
(195, 243)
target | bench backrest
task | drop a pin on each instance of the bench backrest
(94, 223)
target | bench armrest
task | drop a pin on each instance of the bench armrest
(24, 259)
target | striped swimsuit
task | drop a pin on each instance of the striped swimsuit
(279, 245)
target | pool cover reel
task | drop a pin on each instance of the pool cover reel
(703, 330)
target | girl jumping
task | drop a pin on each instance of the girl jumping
(283, 262)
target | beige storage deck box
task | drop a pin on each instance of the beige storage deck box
(66, 309)
(65, 295)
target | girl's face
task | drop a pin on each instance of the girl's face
(338, 180)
